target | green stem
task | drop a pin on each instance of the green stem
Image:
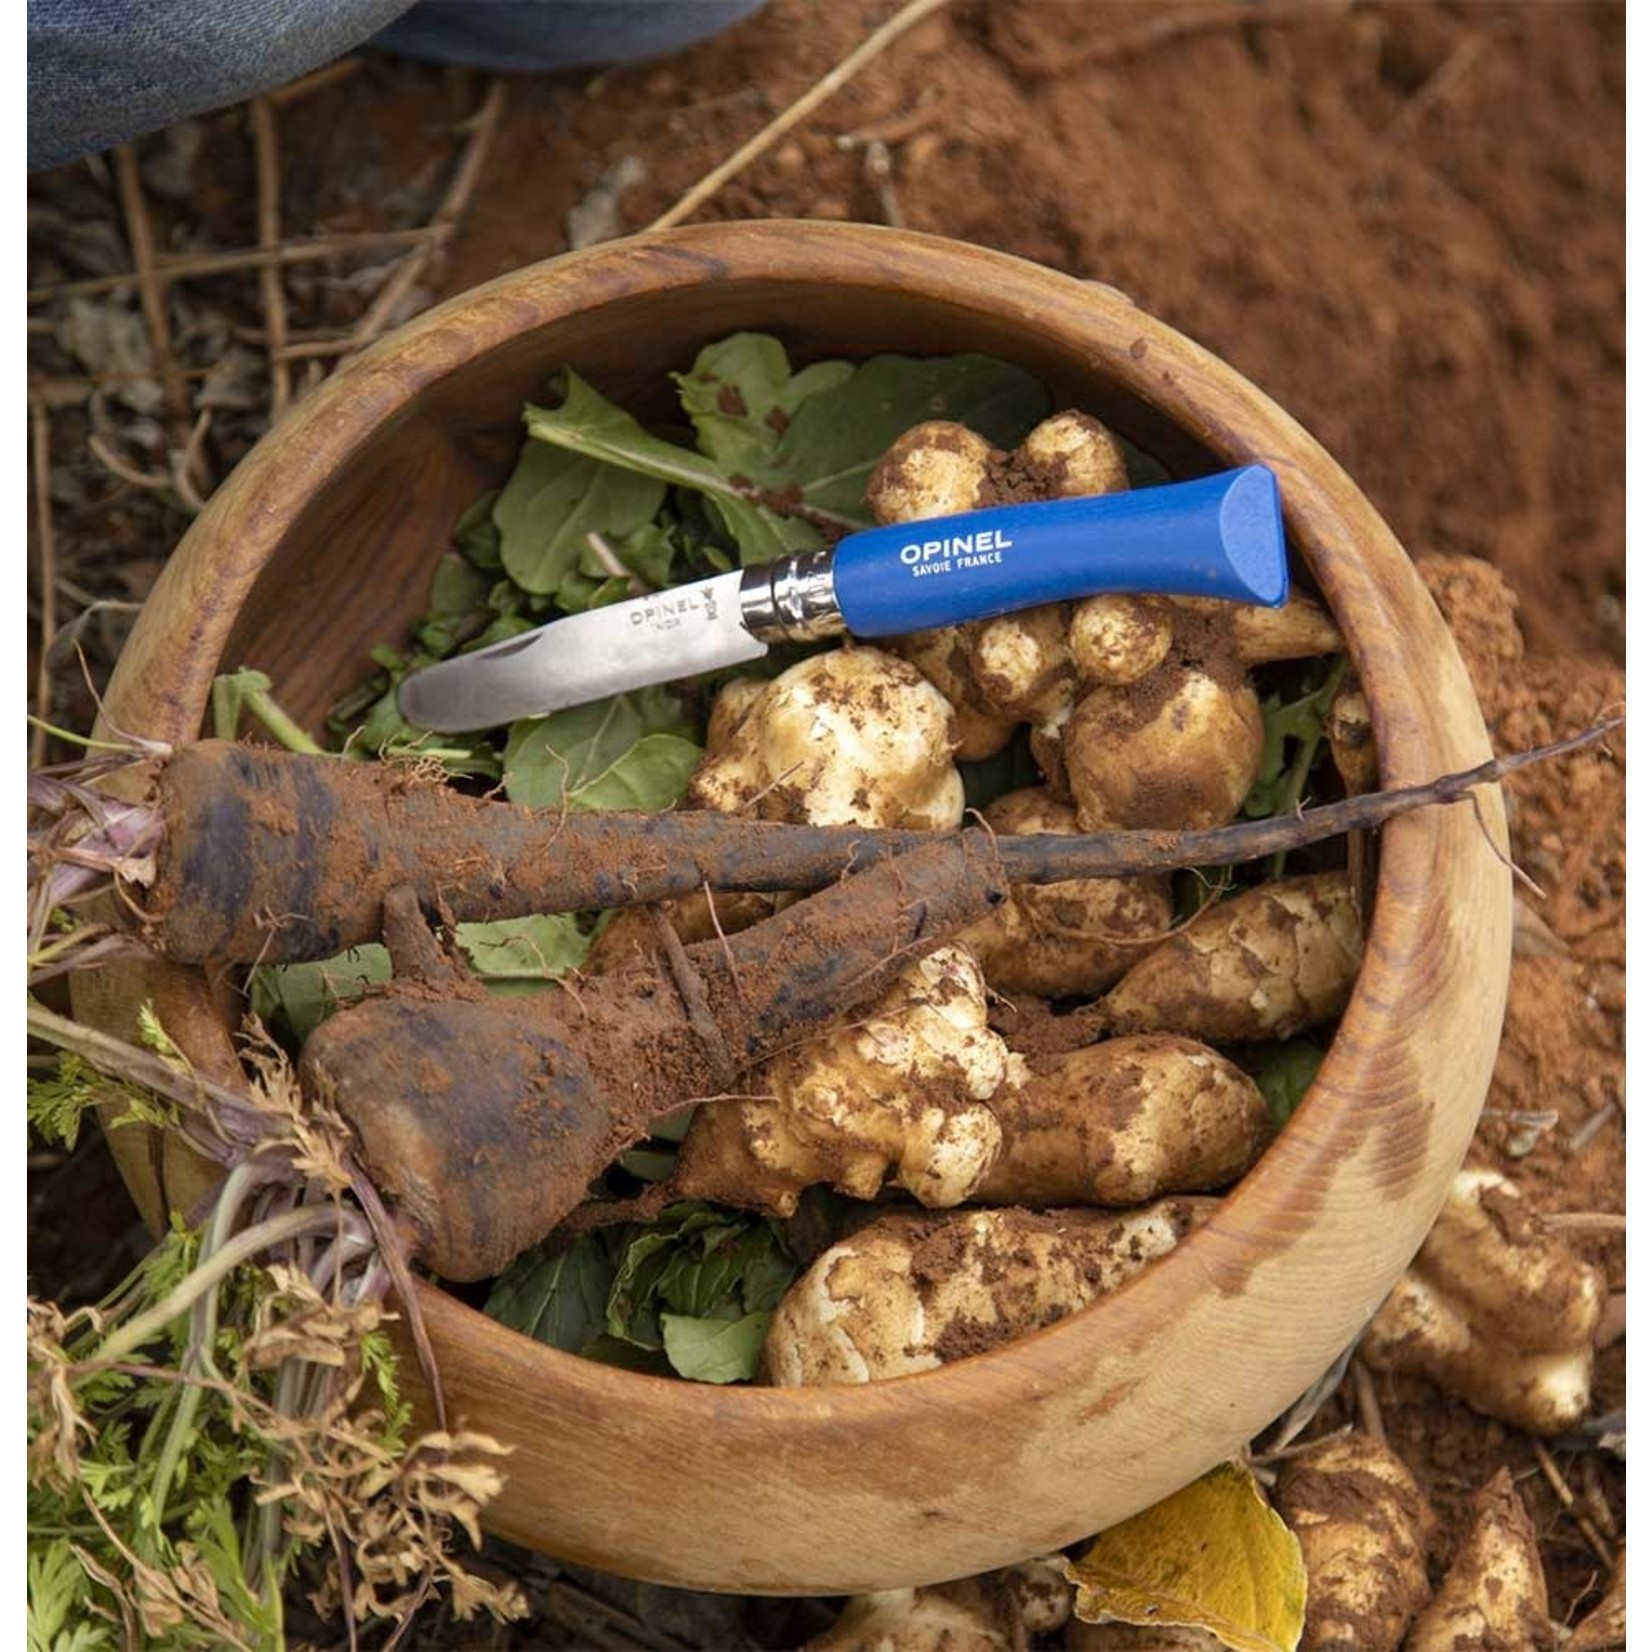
(1307, 754)
(237, 1185)
(208, 1275)
(282, 727)
(82, 739)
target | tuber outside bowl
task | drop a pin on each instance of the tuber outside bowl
(321, 545)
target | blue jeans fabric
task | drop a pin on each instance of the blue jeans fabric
(102, 72)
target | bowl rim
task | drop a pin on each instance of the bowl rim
(1265, 1218)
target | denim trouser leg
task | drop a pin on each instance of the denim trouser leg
(102, 72)
(556, 34)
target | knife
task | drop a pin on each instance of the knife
(1220, 536)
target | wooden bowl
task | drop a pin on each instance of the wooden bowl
(320, 545)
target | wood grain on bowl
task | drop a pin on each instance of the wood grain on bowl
(1043, 1441)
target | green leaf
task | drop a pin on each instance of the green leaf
(475, 536)
(553, 500)
(588, 424)
(590, 756)
(651, 777)
(299, 997)
(1284, 769)
(830, 447)
(1283, 1073)
(761, 535)
(525, 949)
(557, 1297)
(715, 1350)
(458, 606)
(741, 394)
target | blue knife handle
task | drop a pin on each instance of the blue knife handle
(1219, 536)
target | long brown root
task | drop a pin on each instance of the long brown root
(273, 857)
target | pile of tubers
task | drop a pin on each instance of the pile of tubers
(1077, 1163)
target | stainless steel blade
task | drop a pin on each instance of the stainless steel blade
(653, 639)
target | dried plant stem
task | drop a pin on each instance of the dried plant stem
(40, 433)
(1568, 1502)
(908, 17)
(267, 160)
(381, 313)
(276, 1230)
(1176, 25)
(331, 74)
(1370, 1408)
(140, 236)
(187, 266)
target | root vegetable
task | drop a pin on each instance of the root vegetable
(1364, 1527)
(968, 1616)
(1126, 1121)
(1265, 965)
(1022, 666)
(1352, 740)
(1494, 1598)
(1300, 630)
(1117, 640)
(943, 657)
(935, 469)
(268, 857)
(1495, 1310)
(1071, 456)
(1127, 1637)
(993, 1613)
(900, 1091)
(1180, 749)
(850, 737)
(484, 1119)
(1071, 939)
(909, 1293)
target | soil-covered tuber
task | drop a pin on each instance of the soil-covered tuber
(1495, 1310)
(909, 1293)
(853, 737)
(901, 1090)
(1494, 1598)
(1364, 1526)
(1061, 940)
(1267, 964)
(992, 1613)
(1125, 1121)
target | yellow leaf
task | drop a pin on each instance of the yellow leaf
(1213, 1556)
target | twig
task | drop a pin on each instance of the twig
(1439, 86)
(1177, 26)
(1370, 1408)
(1569, 1503)
(896, 129)
(267, 160)
(878, 174)
(168, 268)
(1591, 1127)
(609, 560)
(1586, 1221)
(332, 74)
(692, 990)
(40, 431)
(381, 313)
(908, 17)
(141, 238)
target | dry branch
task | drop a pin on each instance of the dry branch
(878, 41)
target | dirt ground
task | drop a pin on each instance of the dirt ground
(1404, 222)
